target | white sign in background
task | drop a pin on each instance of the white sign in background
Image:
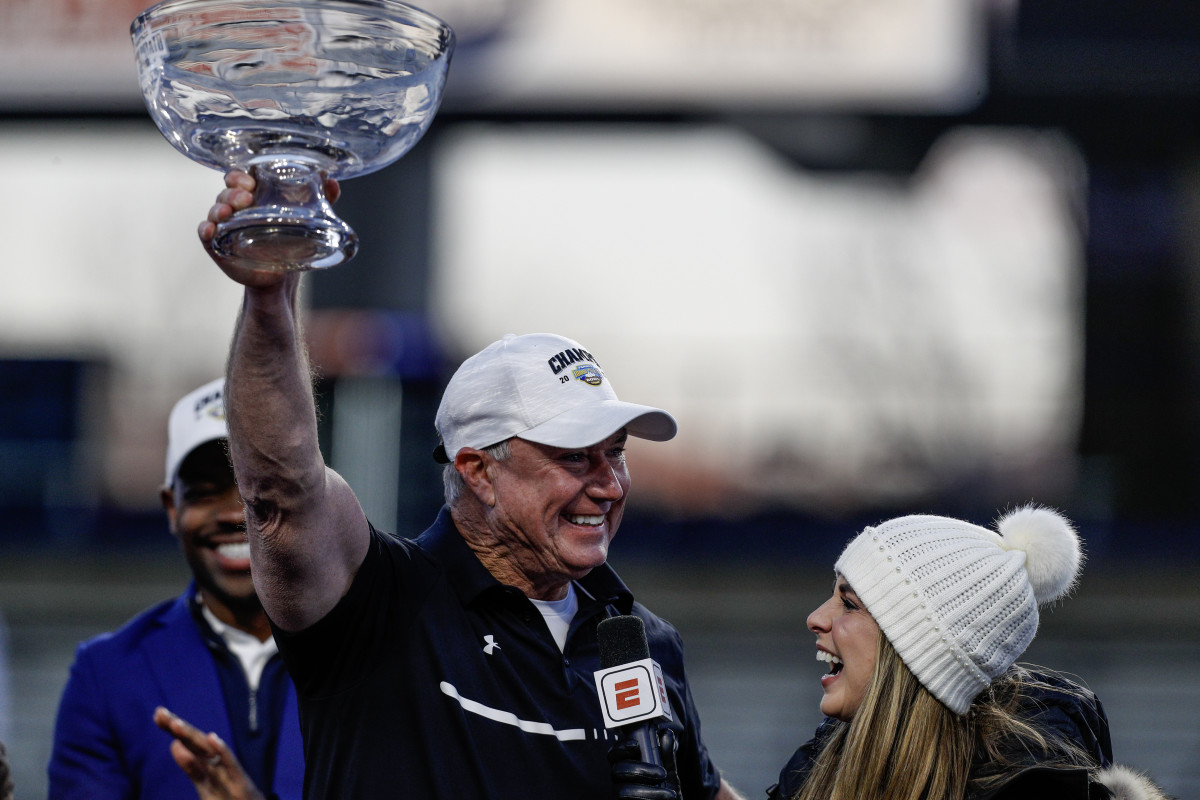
(102, 263)
(822, 339)
(592, 55)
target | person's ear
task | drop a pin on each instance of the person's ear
(474, 467)
(167, 496)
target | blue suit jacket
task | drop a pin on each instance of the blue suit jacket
(106, 745)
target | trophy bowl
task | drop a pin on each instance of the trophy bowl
(291, 91)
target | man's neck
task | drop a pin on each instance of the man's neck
(506, 564)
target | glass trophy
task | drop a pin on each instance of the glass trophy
(291, 91)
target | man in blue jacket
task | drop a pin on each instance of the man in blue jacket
(207, 655)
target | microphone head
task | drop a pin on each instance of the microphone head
(622, 640)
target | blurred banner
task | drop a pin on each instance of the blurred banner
(68, 55)
(598, 55)
(131, 295)
(825, 340)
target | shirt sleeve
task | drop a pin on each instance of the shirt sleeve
(336, 651)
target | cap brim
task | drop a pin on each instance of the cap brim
(199, 439)
(586, 424)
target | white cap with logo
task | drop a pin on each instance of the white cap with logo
(543, 388)
(198, 418)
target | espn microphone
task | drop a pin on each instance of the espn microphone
(633, 696)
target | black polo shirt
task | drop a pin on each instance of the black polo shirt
(430, 679)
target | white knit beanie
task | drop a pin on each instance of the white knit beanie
(958, 602)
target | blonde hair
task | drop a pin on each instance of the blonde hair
(904, 744)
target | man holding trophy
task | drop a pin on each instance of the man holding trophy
(458, 664)
(461, 663)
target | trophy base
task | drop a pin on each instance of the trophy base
(291, 226)
(284, 247)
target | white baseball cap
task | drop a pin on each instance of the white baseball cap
(198, 418)
(543, 388)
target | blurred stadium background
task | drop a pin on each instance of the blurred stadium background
(878, 257)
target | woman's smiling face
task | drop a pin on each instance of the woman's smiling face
(847, 639)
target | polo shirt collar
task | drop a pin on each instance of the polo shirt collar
(471, 579)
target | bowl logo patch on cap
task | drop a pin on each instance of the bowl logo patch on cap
(589, 374)
(211, 405)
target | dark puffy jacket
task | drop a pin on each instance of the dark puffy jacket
(1058, 705)
(1056, 783)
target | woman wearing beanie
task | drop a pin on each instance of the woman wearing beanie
(923, 700)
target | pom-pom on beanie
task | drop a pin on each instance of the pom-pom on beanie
(958, 602)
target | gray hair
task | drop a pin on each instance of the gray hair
(453, 484)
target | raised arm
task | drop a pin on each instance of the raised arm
(307, 531)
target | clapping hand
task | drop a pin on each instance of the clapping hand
(207, 760)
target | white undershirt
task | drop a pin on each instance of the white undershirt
(251, 653)
(558, 615)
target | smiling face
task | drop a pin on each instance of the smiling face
(205, 512)
(847, 638)
(554, 510)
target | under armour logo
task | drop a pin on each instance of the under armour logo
(491, 644)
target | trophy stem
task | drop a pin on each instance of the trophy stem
(291, 225)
